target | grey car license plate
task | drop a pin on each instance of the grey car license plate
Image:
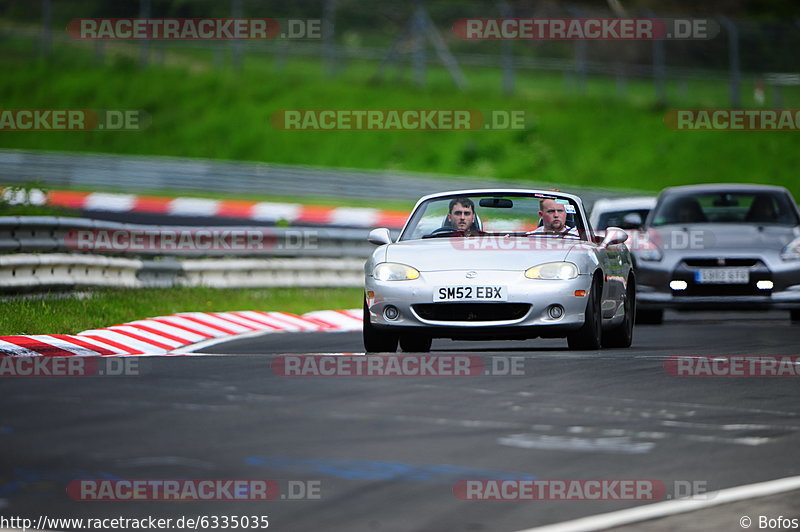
(722, 276)
(470, 293)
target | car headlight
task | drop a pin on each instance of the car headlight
(792, 250)
(553, 270)
(392, 271)
(647, 250)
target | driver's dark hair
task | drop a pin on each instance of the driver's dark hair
(466, 202)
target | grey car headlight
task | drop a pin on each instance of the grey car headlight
(648, 251)
(393, 271)
(792, 250)
(553, 270)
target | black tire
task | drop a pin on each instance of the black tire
(376, 340)
(622, 334)
(794, 315)
(650, 316)
(415, 343)
(588, 337)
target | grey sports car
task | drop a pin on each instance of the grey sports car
(481, 265)
(720, 246)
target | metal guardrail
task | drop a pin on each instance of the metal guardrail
(274, 272)
(311, 256)
(29, 272)
(105, 171)
(26, 234)
(139, 173)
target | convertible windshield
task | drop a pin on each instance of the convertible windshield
(753, 207)
(487, 214)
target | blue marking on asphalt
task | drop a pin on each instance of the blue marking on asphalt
(380, 470)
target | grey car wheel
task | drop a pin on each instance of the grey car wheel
(415, 343)
(376, 340)
(622, 335)
(589, 335)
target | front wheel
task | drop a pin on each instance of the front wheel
(622, 335)
(589, 335)
(376, 340)
(415, 343)
(794, 315)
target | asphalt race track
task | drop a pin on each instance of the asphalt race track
(384, 453)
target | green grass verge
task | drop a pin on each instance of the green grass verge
(102, 308)
(596, 138)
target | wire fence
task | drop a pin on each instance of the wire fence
(412, 38)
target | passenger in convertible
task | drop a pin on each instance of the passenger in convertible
(462, 215)
(554, 219)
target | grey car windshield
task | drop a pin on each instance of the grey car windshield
(752, 207)
(617, 218)
(487, 214)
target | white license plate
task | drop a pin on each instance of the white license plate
(722, 276)
(470, 293)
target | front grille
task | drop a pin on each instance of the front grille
(721, 262)
(471, 311)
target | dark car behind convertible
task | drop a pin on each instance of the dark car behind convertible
(720, 246)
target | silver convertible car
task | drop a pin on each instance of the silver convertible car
(498, 264)
(719, 246)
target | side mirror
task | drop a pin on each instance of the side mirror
(379, 236)
(599, 235)
(632, 220)
(614, 235)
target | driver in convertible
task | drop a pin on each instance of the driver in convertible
(462, 215)
(554, 219)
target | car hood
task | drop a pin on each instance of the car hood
(479, 253)
(723, 237)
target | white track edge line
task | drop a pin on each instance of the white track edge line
(228, 338)
(668, 508)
